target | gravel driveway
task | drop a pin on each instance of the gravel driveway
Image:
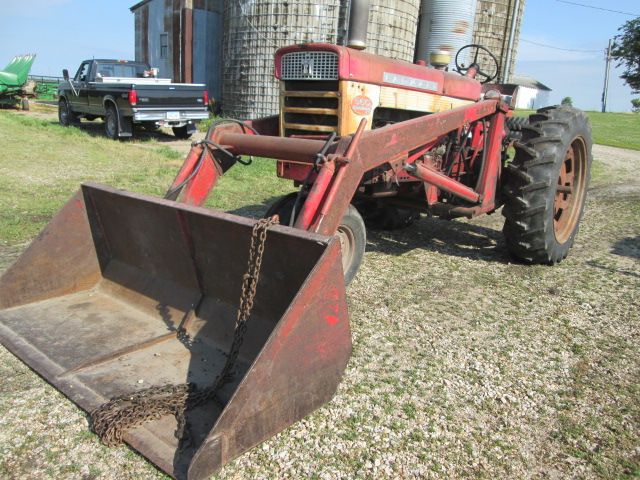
(465, 365)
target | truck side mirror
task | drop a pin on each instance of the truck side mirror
(65, 74)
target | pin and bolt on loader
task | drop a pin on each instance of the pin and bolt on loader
(122, 286)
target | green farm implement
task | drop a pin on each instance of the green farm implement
(15, 89)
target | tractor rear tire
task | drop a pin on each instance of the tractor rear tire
(351, 232)
(546, 185)
(515, 124)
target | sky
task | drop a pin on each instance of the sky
(577, 74)
(64, 32)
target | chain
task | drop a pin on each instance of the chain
(130, 410)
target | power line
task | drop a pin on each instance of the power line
(598, 8)
(558, 48)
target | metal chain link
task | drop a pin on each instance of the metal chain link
(130, 410)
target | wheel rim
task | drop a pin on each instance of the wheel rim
(111, 125)
(570, 190)
(347, 244)
(63, 113)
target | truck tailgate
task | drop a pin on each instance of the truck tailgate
(170, 96)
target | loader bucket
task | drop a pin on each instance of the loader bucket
(95, 302)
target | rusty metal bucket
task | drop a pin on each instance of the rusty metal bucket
(93, 305)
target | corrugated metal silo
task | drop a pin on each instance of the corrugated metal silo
(494, 27)
(445, 25)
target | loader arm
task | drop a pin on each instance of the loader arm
(346, 161)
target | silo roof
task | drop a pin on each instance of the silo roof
(530, 82)
(139, 4)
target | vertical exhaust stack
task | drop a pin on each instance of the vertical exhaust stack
(358, 24)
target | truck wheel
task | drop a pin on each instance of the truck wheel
(351, 231)
(546, 185)
(111, 123)
(181, 132)
(64, 114)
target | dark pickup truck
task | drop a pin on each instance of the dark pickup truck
(124, 93)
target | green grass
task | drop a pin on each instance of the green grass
(620, 130)
(72, 156)
(465, 364)
(616, 129)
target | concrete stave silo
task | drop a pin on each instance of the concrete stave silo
(255, 29)
(494, 25)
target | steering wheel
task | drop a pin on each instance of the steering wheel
(474, 63)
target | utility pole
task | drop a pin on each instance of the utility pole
(606, 78)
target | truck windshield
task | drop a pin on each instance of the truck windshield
(127, 70)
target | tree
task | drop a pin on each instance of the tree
(567, 101)
(626, 50)
(636, 105)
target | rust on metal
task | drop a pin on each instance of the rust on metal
(149, 266)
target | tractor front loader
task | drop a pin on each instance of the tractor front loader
(241, 327)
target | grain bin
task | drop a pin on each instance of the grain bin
(445, 25)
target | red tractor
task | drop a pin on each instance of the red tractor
(122, 289)
(372, 141)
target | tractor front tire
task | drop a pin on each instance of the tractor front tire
(283, 207)
(351, 232)
(546, 185)
(383, 216)
(353, 239)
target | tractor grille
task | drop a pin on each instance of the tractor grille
(310, 108)
(309, 66)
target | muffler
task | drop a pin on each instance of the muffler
(123, 291)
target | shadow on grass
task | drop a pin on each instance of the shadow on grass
(613, 270)
(625, 247)
(454, 238)
(95, 128)
(256, 210)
